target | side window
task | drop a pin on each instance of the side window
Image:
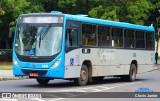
(88, 35)
(149, 40)
(140, 39)
(71, 37)
(104, 38)
(117, 34)
(129, 38)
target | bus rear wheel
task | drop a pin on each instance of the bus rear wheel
(132, 74)
(82, 81)
(42, 81)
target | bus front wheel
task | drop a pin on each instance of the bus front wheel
(42, 81)
(82, 81)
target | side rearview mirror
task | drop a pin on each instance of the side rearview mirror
(10, 29)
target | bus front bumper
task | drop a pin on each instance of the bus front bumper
(44, 73)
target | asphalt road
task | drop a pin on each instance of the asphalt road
(146, 81)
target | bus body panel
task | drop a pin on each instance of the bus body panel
(108, 62)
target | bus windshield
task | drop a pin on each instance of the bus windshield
(38, 39)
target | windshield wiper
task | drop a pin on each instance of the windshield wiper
(45, 32)
(42, 35)
(40, 41)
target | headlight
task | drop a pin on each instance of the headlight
(15, 62)
(56, 63)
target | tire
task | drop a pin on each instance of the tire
(123, 77)
(82, 81)
(90, 79)
(42, 81)
(132, 74)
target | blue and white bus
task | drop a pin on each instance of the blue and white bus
(50, 46)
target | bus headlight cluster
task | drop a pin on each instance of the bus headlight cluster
(15, 62)
(56, 63)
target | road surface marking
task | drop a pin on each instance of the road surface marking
(58, 99)
(37, 99)
(120, 85)
(8, 100)
(94, 89)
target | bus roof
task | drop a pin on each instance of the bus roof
(86, 19)
(83, 18)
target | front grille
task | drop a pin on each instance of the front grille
(28, 59)
(40, 59)
(40, 72)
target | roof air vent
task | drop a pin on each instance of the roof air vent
(56, 12)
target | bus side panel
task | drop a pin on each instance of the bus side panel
(99, 59)
(105, 56)
(147, 65)
(72, 66)
(118, 61)
(122, 59)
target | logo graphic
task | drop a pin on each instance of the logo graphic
(34, 65)
(71, 61)
(144, 90)
(31, 52)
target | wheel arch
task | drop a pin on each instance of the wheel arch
(88, 63)
(136, 63)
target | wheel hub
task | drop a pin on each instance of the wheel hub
(83, 75)
(133, 74)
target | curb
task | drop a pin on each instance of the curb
(12, 78)
(157, 66)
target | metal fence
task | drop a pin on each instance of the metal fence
(5, 55)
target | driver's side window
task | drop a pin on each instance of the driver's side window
(71, 37)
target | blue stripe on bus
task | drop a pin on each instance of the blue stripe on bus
(108, 22)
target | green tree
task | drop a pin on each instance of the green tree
(11, 9)
(50, 5)
(77, 6)
(155, 14)
(138, 11)
(144, 12)
(132, 11)
(109, 13)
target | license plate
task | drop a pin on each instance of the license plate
(33, 74)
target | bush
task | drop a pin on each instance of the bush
(5, 55)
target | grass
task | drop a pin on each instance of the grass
(5, 66)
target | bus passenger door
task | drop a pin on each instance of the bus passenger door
(72, 53)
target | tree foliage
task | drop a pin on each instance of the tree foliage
(11, 9)
(143, 12)
(132, 11)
